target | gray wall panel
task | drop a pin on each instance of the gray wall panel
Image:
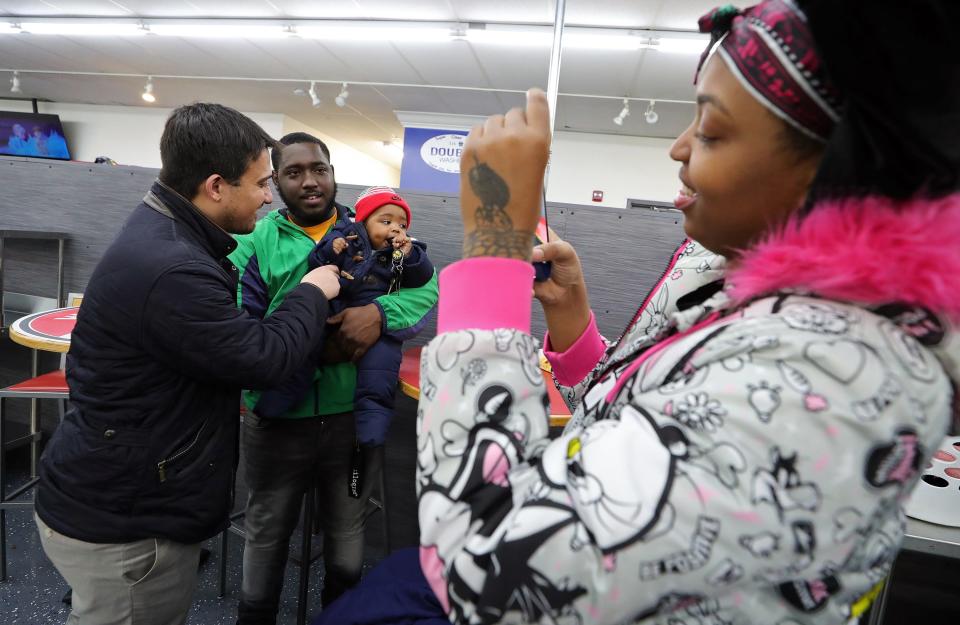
(623, 252)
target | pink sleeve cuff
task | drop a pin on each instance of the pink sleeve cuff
(573, 365)
(485, 293)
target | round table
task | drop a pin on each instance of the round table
(410, 386)
(48, 330)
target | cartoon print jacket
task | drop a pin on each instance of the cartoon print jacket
(744, 462)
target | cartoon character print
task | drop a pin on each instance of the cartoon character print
(843, 360)
(529, 358)
(496, 404)
(916, 321)
(782, 486)
(798, 381)
(428, 388)
(426, 454)
(809, 595)
(616, 512)
(896, 462)
(695, 557)
(871, 408)
(764, 398)
(697, 411)
(877, 539)
(910, 350)
(740, 346)
(804, 548)
(472, 373)
(483, 473)
(723, 461)
(762, 545)
(700, 611)
(726, 573)
(594, 406)
(502, 338)
(857, 367)
(450, 347)
(685, 380)
(818, 318)
(654, 320)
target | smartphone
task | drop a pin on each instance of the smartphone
(542, 235)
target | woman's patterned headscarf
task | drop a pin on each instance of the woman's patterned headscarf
(770, 49)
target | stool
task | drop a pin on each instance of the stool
(51, 385)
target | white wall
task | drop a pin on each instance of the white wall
(621, 167)
(129, 135)
(351, 165)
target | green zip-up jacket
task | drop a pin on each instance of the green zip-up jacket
(272, 260)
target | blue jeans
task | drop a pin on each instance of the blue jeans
(281, 458)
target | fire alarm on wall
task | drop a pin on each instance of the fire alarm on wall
(598, 196)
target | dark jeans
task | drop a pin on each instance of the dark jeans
(281, 458)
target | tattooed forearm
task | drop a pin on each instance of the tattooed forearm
(493, 234)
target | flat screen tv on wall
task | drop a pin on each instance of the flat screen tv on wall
(32, 134)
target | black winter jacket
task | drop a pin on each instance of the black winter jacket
(156, 363)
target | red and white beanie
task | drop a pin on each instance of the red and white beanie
(375, 197)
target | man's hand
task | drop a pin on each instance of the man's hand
(339, 245)
(359, 329)
(326, 279)
(501, 180)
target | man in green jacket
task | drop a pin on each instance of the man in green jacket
(282, 455)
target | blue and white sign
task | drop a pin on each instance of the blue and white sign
(431, 159)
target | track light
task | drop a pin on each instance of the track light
(312, 92)
(147, 94)
(651, 115)
(624, 113)
(341, 99)
(15, 83)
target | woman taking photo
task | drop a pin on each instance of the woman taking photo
(742, 454)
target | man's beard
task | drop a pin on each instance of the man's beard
(307, 220)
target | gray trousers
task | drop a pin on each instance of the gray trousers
(147, 582)
(281, 458)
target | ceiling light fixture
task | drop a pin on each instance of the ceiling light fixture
(312, 92)
(15, 83)
(341, 99)
(419, 33)
(651, 115)
(147, 94)
(215, 30)
(692, 45)
(624, 113)
(84, 29)
(393, 144)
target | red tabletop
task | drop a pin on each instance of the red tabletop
(410, 385)
(49, 330)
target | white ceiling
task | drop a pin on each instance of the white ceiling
(369, 118)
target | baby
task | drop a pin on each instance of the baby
(375, 257)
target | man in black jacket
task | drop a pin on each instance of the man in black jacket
(139, 472)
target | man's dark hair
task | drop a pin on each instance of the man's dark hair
(290, 139)
(203, 139)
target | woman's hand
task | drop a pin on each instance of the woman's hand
(564, 294)
(566, 275)
(501, 180)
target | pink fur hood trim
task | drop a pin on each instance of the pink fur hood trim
(867, 250)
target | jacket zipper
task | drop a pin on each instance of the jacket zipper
(162, 465)
(646, 300)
